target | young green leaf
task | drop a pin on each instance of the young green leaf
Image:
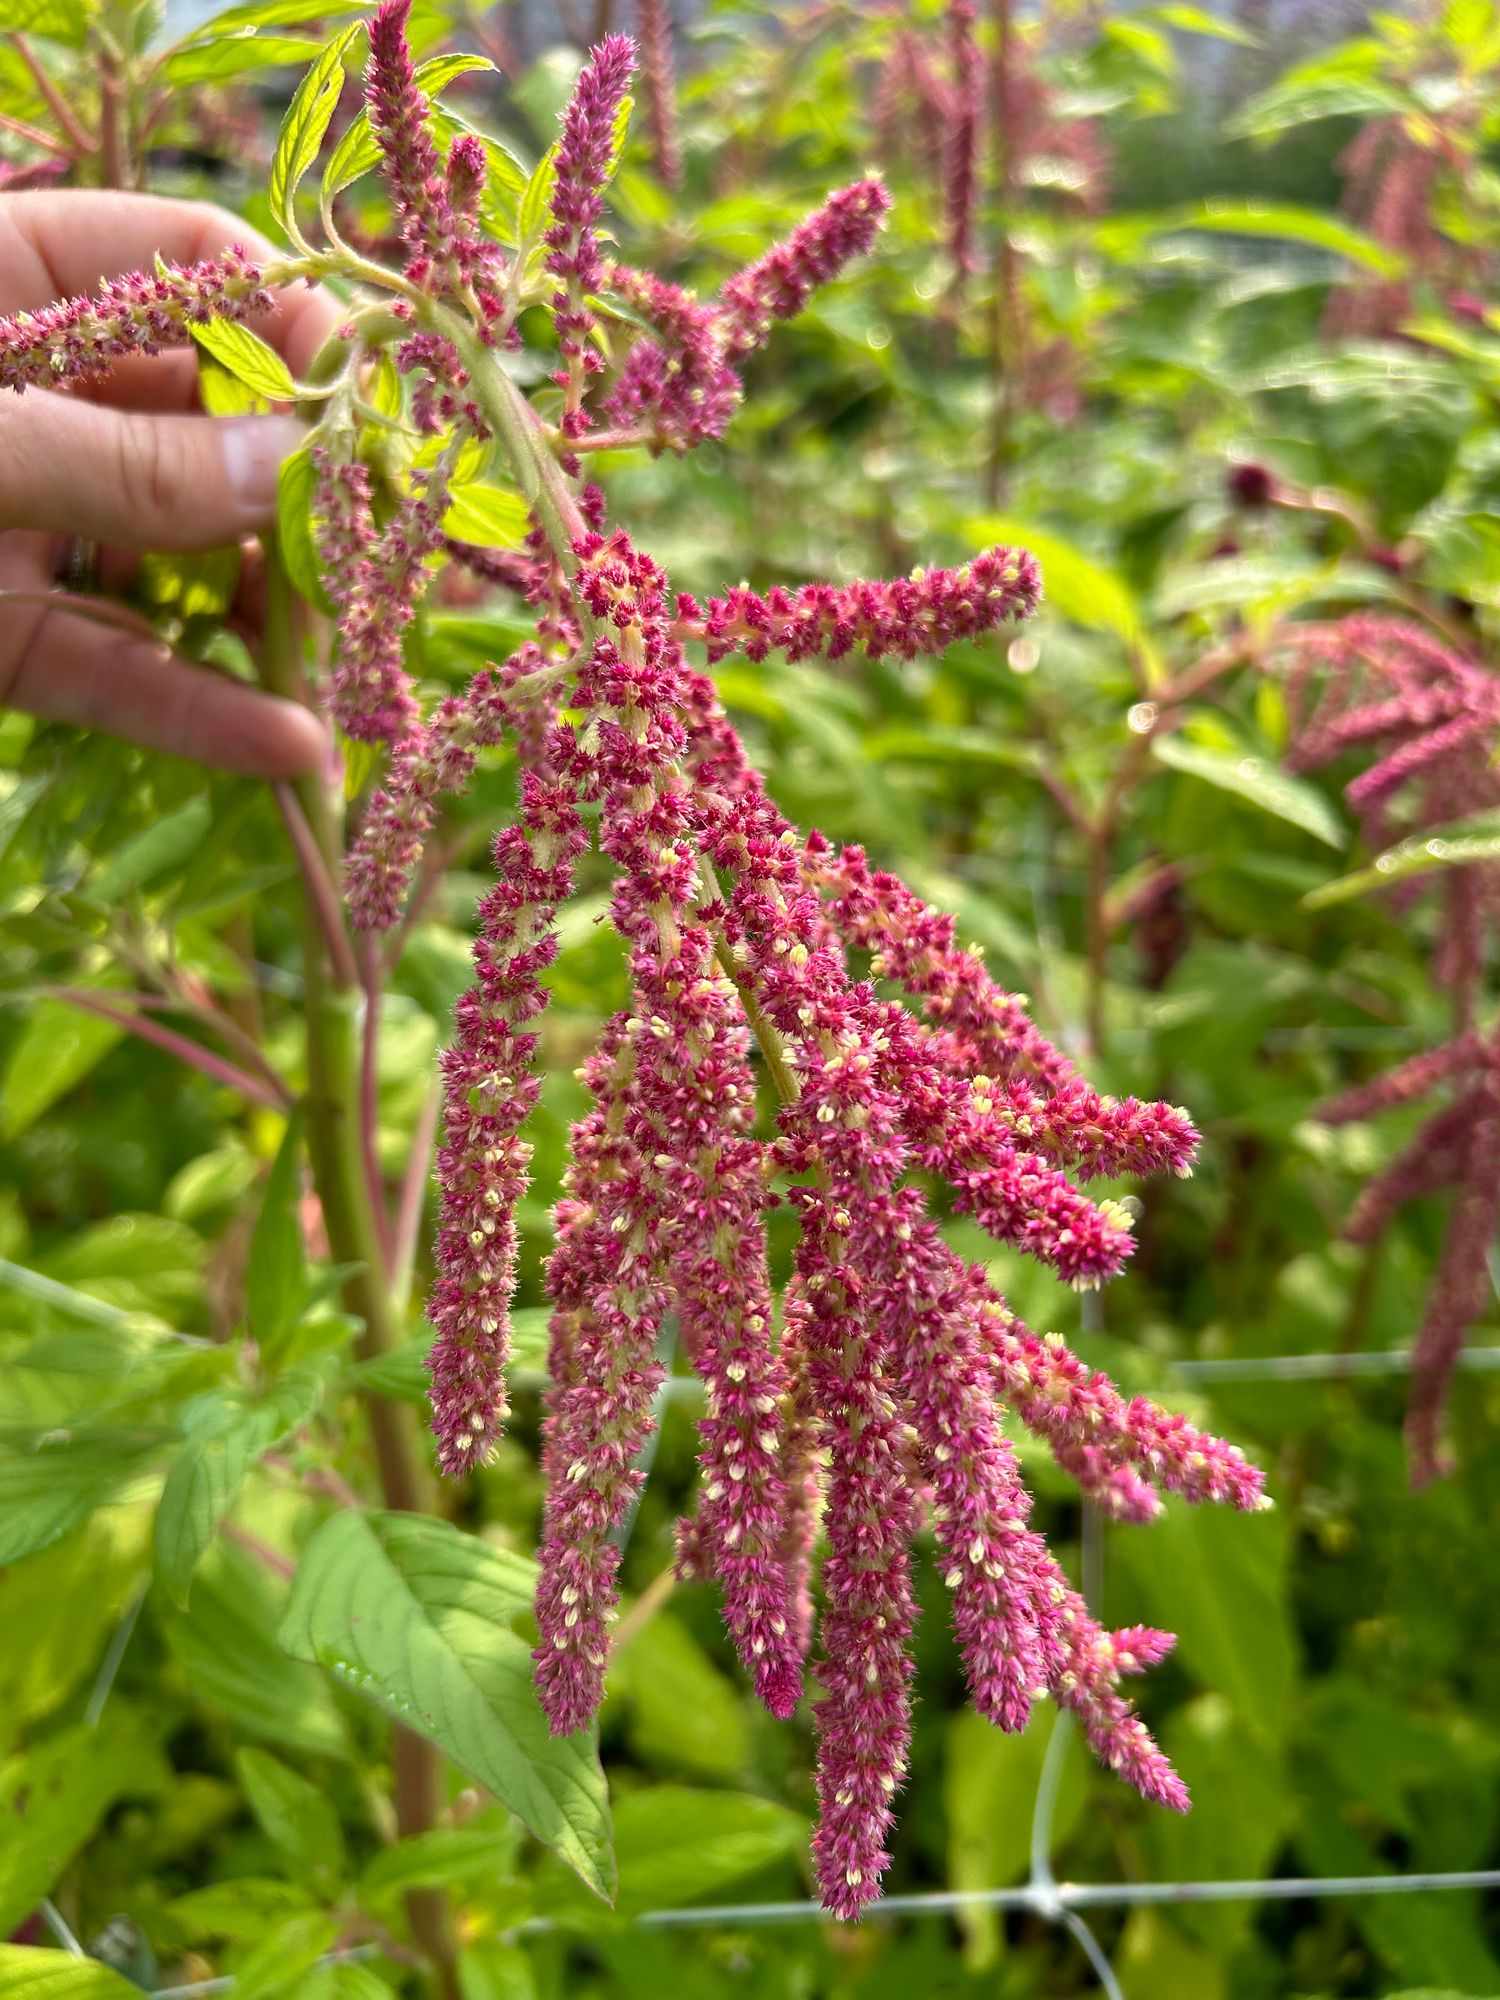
(307, 119)
(52, 1796)
(248, 358)
(160, 846)
(1458, 845)
(417, 1615)
(532, 215)
(55, 1050)
(235, 1668)
(276, 1281)
(66, 21)
(50, 1489)
(297, 1814)
(242, 53)
(488, 516)
(295, 484)
(202, 1486)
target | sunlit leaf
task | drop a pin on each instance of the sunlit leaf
(417, 1615)
(307, 120)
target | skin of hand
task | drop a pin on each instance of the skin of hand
(133, 465)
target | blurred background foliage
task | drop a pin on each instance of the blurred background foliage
(1160, 270)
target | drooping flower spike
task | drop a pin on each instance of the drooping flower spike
(1431, 719)
(868, 1401)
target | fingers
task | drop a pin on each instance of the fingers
(143, 481)
(65, 668)
(57, 242)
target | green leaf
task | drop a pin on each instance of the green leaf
(297, 1814)
(1198, 21)
(679, 1845)
(55, 1050)
(281, 1962)
(1299, 101)
(416, 1615)
(234, 1665)
(276, 1280)
(27, 1973)
(201, 1489)
(248, 358)
(1459, 844)
(1125, 234)
(162, 845)
(432, 1860)
(66, 1602)
(53, 1795)
(488, 516)
(537, 200)
(359, 150)
(685, 1717)
(66, 21)
(235, 54)
(307, 119)
(241, 1909)
(295, 485)
(1260, 782)
(48, 1491)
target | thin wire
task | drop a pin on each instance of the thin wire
(1062, 1896)
(110, 1665)
(57, 1923)
(1093, 1952)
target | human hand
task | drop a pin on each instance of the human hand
(131, 466)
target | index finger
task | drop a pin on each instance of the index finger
(58, 242)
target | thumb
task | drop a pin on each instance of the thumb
(136, 479)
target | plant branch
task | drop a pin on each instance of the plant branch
(271, 1092)
(52, 97)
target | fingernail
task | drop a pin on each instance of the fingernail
(254, 448)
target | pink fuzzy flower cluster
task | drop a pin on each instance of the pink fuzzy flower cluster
(654, 28)
(81, 339)
(1385, 687)
(875, 1397)
(585, 160)
(437, 204)
(961, 165)
(375, 578)
(682, 387)
(864, 1401)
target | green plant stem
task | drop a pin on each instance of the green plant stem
(336, 1147)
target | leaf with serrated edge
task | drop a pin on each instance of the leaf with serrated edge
(248, 358)
(416, 1615)
(307, 120)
